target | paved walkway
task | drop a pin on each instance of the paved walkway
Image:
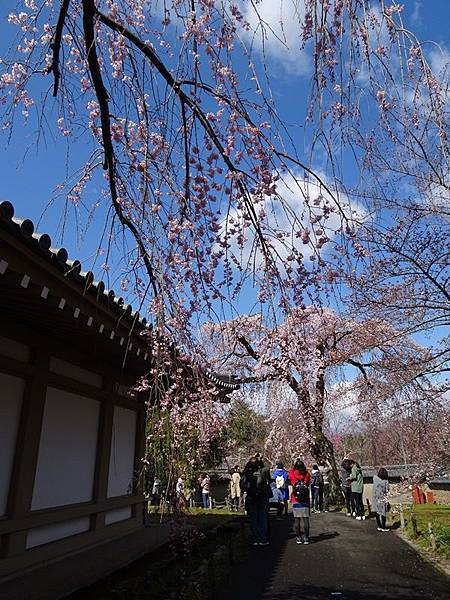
(346, 560)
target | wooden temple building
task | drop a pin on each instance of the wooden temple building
(71, 435)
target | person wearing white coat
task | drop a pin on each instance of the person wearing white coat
(380, 503)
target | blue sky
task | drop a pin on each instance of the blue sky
(30, 171)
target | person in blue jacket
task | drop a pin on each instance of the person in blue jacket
(280, 475)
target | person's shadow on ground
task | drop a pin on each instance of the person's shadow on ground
(326, 535)
(321, 537)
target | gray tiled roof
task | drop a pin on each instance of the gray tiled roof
(226, 381)
(58, 258)
(41, 244)
(393, 470)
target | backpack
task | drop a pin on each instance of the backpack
(301, 492)
(255, 484)
(280, 482)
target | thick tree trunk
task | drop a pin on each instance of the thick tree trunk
(322, 450)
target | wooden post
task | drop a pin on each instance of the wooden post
(102, 459)
(139, 455)
(432, 536)
(27, 450)
(402, 516)
(414, 526)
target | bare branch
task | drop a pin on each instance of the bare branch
(56, 44)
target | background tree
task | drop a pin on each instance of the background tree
(406, 281)
(303, 353)
(208, 198)
(244, 431)
(199, 169)
(184, 419)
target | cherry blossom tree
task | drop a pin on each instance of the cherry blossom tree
(185, 416)
(410, 428)
(193, 152)
(190, 163)
(287, 436)
(204, 186)
(395, 412)
(405, 283)
(304, 353)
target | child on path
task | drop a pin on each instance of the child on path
(156, 492)
(300, 479)
(277, 499)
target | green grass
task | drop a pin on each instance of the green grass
(439, 517)
(197, 517)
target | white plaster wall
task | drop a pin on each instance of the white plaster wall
(121, 466)
(67, 450)
(13, 349)
(11, 393)
(56, 531)
(61, 367)
(118, 514)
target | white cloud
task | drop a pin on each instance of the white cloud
(439, 62)
(275, 32)
(438, 196)
(295, 211)
(416, 17)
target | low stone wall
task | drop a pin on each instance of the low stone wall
(441, 495)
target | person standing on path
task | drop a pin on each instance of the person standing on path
(357, 483)
(379, 497)
(205, 490)
(346, 486)
(277, 499)
(255, 480)
(300, 479)
(280, 475)
(316, 484)
(325, 470)
(235, 488)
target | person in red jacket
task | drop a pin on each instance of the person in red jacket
(300, 479)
